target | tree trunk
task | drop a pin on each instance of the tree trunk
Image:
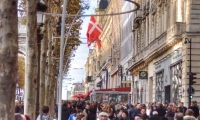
(8, 57)
(50, 66)
(43, 65)
(55, 70)
(43, 81)
(31, 60)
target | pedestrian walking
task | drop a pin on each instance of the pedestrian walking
(195, 109)
(45, 114)
(66, 111)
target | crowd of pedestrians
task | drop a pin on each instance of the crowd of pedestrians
(85, 110)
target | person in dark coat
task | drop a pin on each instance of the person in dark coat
(170, 114)
(195, 109)
(155, 116)
(143, 114)
(91, 115)
(56, 110)
(161, 110)
(17, 107)
(134, 111)
(182, 108)
(66, 111)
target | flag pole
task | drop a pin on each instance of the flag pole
(61, 60)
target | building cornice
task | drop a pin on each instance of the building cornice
(159, 46)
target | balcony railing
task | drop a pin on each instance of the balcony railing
(172, 34)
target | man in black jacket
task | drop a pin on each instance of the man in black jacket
(161, 110)
(66, 111)
(91, 115)
(195, 109)
(182, 108)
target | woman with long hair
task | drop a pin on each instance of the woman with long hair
(17, 107)
(148, 109)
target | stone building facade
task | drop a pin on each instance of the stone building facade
(77, 88)
(100, 60)
(156, 46)
(159, 30)
(104, 65)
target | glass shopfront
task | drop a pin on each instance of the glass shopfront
(141, 90)
(168, 78)
(113, 98)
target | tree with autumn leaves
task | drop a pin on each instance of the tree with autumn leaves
(11, 66)
(21, 71)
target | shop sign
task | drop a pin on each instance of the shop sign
(123, 81)
(143, 75)
(177, 56)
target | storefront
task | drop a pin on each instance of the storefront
(168, 77)
(140, 90)
(112, 95)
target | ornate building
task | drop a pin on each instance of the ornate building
(155, 52)
(103, 64)
(77, 88)
(159, 31)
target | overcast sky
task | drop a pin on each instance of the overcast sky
(80, 55)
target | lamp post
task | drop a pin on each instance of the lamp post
(190, 69)
(58, 26)
(120, 74)
(41, 7)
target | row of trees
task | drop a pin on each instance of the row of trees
(11, 66)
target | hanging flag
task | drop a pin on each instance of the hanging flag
(93, 32)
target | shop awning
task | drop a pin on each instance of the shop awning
(80, 96)
(87, 94)
(126, 89)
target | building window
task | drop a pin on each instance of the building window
(176, 77)
(160, 86)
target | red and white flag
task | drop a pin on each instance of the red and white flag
(93, 32)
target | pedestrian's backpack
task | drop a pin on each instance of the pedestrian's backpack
(40, 117)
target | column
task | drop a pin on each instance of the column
(155, 26)
(165, 16)
(147, 31)
(162, 19)
(159, 21)
(150, 28)
(179, 10)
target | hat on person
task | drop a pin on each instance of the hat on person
(103, 114)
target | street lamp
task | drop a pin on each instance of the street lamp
(41, 7)
(58, 26)
(120, 74)
(190, 73)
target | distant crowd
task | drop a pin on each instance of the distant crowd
(85, 110)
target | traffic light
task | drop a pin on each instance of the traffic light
(192, 77)
(191, 91)
(191, 96)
